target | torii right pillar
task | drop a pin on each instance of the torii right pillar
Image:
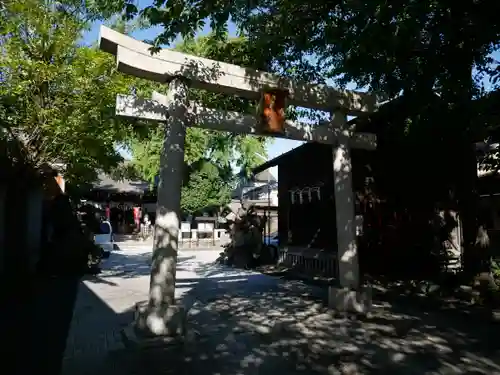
(349, 296)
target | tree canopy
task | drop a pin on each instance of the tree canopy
(58, 98)
(436, 55)
(433, 56)
(415, 48)
(207, 186)
(209, 155)
(386, 46)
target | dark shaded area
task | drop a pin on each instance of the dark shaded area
(400, 191)
(43, 263)
(251, 324)
(95, 331)
(39, 271)
(307, 218)
(35, 322)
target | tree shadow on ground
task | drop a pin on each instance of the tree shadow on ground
(241, 322)
(130, 266)
(255, 324)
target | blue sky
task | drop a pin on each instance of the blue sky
(276, 148)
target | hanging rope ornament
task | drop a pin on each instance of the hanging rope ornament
(317, 190)
(292, 194)
(306, 192)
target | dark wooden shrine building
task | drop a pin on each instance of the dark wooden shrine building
(403, 201)
(306, 209)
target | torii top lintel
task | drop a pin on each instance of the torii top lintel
(134, 58)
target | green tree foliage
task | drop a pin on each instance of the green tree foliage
(383, 45)
(58, 98)
(413, 48)
(221, 149)
(433, 55)
(207, 186)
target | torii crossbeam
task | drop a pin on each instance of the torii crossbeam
(235, 122)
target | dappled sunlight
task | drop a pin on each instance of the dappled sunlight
(126, 265)
(244, 322)
(242, 330)
(344, 204)
(283, 326)
(241, 322)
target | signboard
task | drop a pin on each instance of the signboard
(272, 111)
(185, 226)
(205, 227)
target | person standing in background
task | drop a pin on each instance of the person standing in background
(137, 218)
(108, 213)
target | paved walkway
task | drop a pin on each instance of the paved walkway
(248, 323)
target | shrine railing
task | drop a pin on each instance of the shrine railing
(314, 262)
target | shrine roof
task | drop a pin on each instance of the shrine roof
(107, 183)
(274, 162)
(264, 176)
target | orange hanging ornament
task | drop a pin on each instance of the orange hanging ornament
(272, 114)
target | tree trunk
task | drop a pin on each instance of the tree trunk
(474, 255)
(457, 92)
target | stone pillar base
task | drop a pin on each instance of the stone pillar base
(349, 300)
(156, 328)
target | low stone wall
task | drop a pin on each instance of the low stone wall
(194, 238)
(191, 239)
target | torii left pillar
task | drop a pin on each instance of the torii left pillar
(161, 316)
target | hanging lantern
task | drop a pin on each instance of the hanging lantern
(272, 111)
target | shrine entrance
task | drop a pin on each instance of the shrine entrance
(160, 315)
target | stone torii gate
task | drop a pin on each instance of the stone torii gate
(161, 316)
